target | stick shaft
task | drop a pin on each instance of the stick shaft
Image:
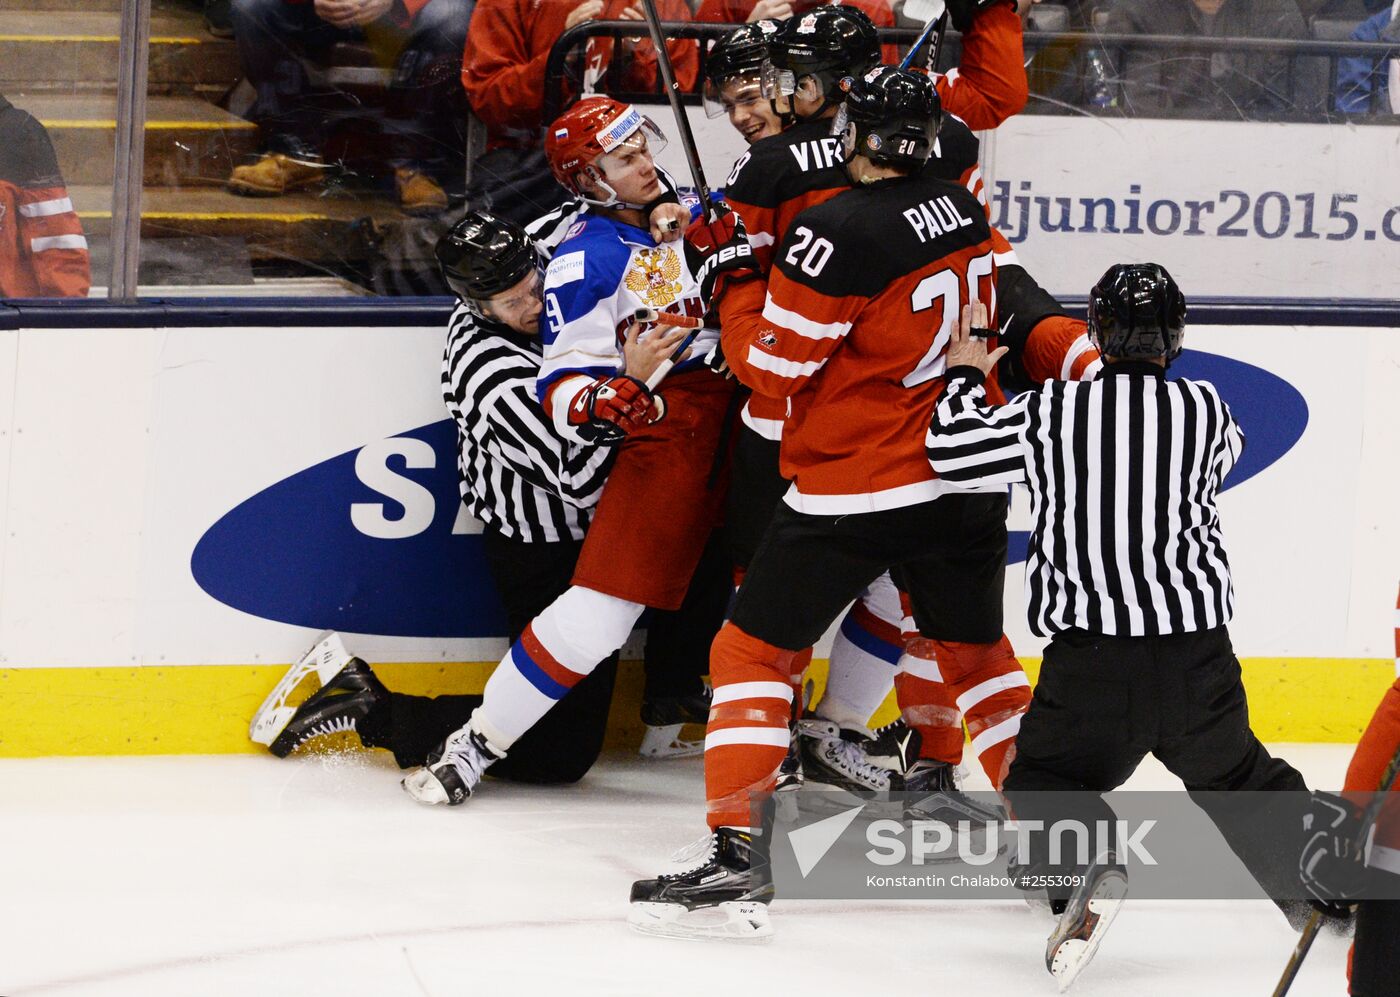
(673, 96)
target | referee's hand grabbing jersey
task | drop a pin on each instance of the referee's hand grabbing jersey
(1126, 571)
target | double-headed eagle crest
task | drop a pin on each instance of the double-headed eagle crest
(654, 274)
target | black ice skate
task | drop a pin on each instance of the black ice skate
(724, 896)
(666, 716)
(1092, 907)
(835, 760)
(454, 769)
(349, 690)
(933, 794)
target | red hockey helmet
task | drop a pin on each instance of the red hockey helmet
(589, 130)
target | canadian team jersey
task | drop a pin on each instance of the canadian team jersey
(1373, 754)
(852, 326)
(600, 276)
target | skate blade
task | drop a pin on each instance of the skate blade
(1073, 954)
(326, 657)
(666, 742)
(734, 921)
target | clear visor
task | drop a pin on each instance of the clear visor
(775, 82)
(843, 128)
(647, 140)
(733, 94)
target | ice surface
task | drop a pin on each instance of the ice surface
(250, 876)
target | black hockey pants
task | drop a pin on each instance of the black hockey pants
(1103, 703)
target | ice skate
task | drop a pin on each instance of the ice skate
(666, 717)
(348, 691)
(894, 747)
(836, 759)
(724, 896)
(932, 794)
(453, 770)
(1092, 908)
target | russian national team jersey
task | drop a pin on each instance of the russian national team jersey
(601, 274)
(852, 327)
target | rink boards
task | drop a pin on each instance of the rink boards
(183, 509)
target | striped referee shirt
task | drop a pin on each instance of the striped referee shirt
(1123, 472)
(516, 474)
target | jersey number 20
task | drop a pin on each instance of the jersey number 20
(950, 290)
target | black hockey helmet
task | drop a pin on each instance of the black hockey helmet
(483, 255)
(742, 52)
(1137, 312)
(890, 116)
(828, 44)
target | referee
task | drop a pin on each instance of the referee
(1127, 575)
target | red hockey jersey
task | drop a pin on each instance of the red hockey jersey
(852, 327)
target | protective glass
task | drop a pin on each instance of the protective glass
(775, 82)
(843, 128)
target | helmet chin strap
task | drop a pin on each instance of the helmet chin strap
(613, 200)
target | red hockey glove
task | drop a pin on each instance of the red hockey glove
(611, 407)
(718, 251)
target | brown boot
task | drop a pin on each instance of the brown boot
(419, 194)
(274, 174)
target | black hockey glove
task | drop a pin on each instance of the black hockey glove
(961, 12)
(718, 251)
(1332, 866)
(715, 361)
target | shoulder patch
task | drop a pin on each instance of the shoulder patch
(574, 229)
(565, 269)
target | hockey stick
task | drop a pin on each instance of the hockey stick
(675, 321)
(935, 13)
(1368, 818)
(673, 95)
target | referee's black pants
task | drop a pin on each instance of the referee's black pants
(563, 746)
(1103, 703)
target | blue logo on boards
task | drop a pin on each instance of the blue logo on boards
(376, 541)
(1271, 411)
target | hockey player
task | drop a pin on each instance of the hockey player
(1336, 871)
(663, 495)
(534, 494)
(733, 81)
(809, 58)
(851, 327)
(1140, 658)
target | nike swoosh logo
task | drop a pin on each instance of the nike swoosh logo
(1007, 324)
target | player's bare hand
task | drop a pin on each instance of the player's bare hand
(585, 11)
(668, 222)
(352, 13)
(1023, 7)
(641, 356)
(968, 345)
(776, 10)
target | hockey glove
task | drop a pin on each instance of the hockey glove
(715, 361)
(1333, 864)
(611, 407)
(718, 251)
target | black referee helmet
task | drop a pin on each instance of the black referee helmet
(1136, 312)
(890, 116)
(483, 255)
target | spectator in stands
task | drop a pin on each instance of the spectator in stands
(503, 71)
(421, 120)
(1229, 84)
(42, 250)
(1360, 80)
